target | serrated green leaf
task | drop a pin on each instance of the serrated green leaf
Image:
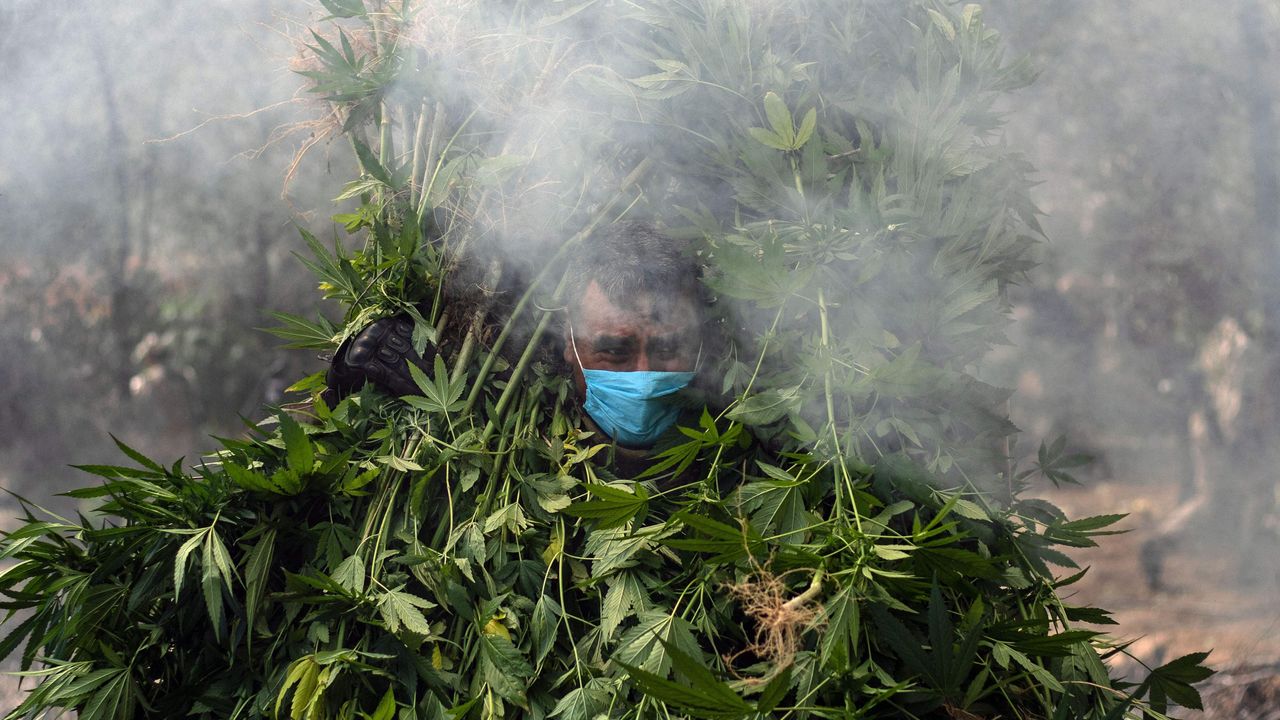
(299, 454)
(114, 699)
(807, 125)
(138, 457)
(775, 110)
(624, 598)
(612, 507)
(774, 692)
(769, 138)
(705, 695)
(1174, 681)
(504, 668)
(181, 557)
(369, 163)
(970, 510)
(941, 22)
(344, 8)
(386, 709)
(643, 645)
(585, 702)
(765, 407)
(543, 623)
(256, 574)
(839, 645)
(216, 572)
(351, 574)
(403, 610)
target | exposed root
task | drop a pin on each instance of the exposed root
(780, 620)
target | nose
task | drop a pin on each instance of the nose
(642, 361)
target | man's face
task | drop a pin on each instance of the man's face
(641, 332)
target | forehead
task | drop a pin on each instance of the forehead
(636, 313)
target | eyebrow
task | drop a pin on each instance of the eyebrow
(613, 341)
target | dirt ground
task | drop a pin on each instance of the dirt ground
(1209, 603)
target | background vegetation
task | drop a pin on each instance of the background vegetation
(133, 267)
(1149, 123)
(1152, 325)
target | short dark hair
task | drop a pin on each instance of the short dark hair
(630, 258)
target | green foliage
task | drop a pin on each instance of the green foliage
(838, 537)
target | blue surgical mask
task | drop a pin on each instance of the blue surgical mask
(634, 407)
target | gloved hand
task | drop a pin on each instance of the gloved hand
(379, 354)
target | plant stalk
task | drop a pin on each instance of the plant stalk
(810, 593)
(836, 449)
(483, 376)
(415, 175)
(431, 164)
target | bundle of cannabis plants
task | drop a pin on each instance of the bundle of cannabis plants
(837, 530)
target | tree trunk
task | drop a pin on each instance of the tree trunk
(120, 341)
(1255, 493)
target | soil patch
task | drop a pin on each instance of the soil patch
(1209, 602)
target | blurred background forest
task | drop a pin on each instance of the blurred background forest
(1150, 334)
(146, 233)
(144, 236)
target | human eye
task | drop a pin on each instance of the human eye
(612, 352)
(666, 349)
(666, 353)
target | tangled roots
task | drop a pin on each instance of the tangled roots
(779, 619)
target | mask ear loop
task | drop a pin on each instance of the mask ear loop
(574, 345)
(697, 363)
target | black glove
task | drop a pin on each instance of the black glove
(379, 354)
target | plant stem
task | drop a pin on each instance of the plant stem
(519, 371)
(415, 175)
(431, 164)
(826, 375)
(384, 507)
(483, 376)
(811, 592)
(385, 146)
(764, 349)
(385, 149)
(847, 483)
